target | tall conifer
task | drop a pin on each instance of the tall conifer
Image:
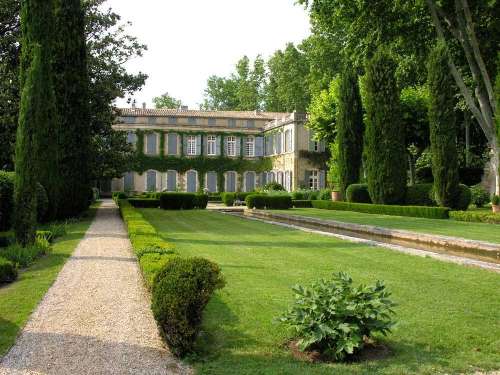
(384, 135)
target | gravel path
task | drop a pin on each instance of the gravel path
(96, 318)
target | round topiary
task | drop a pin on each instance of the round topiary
(420, 195)
(8, 271)
(479, 196)
(181, 290)
(358, 193)
(464, 198)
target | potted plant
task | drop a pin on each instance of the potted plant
(336, 195)
(495, 204)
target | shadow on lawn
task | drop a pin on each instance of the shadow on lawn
(8, 333)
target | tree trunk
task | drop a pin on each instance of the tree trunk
(467, 140)
(495, 164)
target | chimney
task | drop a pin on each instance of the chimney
(144, 105)
(133, 104)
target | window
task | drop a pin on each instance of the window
(192, 120)
(172, 120)
(191, 145)
(231, 146)
(315, 146)
(288, 141)
(151, 120)
(231, 182)
(172, 143)
(211, 145)
(231, 123)
(151, 144)
(250, 123)
(128, 181)
(314, 180)
(151, 181)
(131, 138)
(212, 121)
(129, 119)
(250, 146)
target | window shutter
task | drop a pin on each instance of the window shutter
(279, 140)
(198, 145)
(263, 179)
(311, 141)
(321, 179)
(238, 146)
(307, 177)
(204, 147)
(128, 181)
(259, 146)
(184, 145)
(172, 144)
(322, 146)
(217, 145)
(151, 181)
(171, 180)
(250, 181)
(212, 182)
(191, 181)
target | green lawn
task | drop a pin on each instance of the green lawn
(448, 315)
(473, 231)
(19, 299)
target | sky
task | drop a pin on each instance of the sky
(189, 40)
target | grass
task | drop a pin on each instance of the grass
(447, 314)
(473, 231)
(19, 299)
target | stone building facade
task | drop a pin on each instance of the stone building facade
(214, 151)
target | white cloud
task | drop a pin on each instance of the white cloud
(189, 40)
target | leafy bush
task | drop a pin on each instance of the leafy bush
(58, 229)
(420, 195)
(201, 201)
(358, 193)
(273, 186)
(42, 203)
(305, 194)
(479, 196)
(6, 200)
(228, 198)
(152, 263)
(495, 200)
(8, 271)
(301, 203)
(476, 217)
(177, 201)
(117, 195)
(256, 201)
(45, 234)
(412, 211)
(24, 256)
(325, 194)
(181, 290)
(464, 198)
(333, 317)
(144, 202)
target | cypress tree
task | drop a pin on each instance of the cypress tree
(384, 134)
(37, 26)
(443, 133)
(72, 94)
(349, 129)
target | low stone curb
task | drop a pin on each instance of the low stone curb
(468, 248)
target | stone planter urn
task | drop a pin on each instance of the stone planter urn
(336, 196)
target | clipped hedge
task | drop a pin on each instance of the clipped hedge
(183, 201)
(382, 209)
(273, 202)
(144, 202)
(181, 290)
(475, 217)
(8, 271)
(228, 198)
(301, 203)
(358, 193)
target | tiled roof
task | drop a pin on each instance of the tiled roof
(199, 113)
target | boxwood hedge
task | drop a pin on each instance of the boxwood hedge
(275, 202)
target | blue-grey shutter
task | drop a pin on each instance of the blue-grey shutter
(172, 144)
(249, 181)
(204, 150)
(217, 145)
(311, 141)
(128, 181)
(238, 146)
(191, 182)
(184, 145)
(307, 178)
(151, 181)
(131, 138)
(151, 143)
(231, 123)
(171, 180)
(259, 146)
(263, 179)
(230, 182)
(212, 182)
(198, 145)
(280, 143)
(225, 146)
(321, 179)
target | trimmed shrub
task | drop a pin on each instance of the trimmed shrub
(464, 198)
(256, 201)
(42, 204)
(358, 193)
(201, 201)
(8, 271)
(153, 250)
(214, 197)
(381, 209)
(301, 203)
(325, 194)
(117, 195)
(177, 201)
(228, 198)
(334, 317)
(279, 202)
(419, 195)
(6, 200)
(479, 196)
(475, 217)
(152, 263)
(144, 203)
(273, 186)
(181, 290)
